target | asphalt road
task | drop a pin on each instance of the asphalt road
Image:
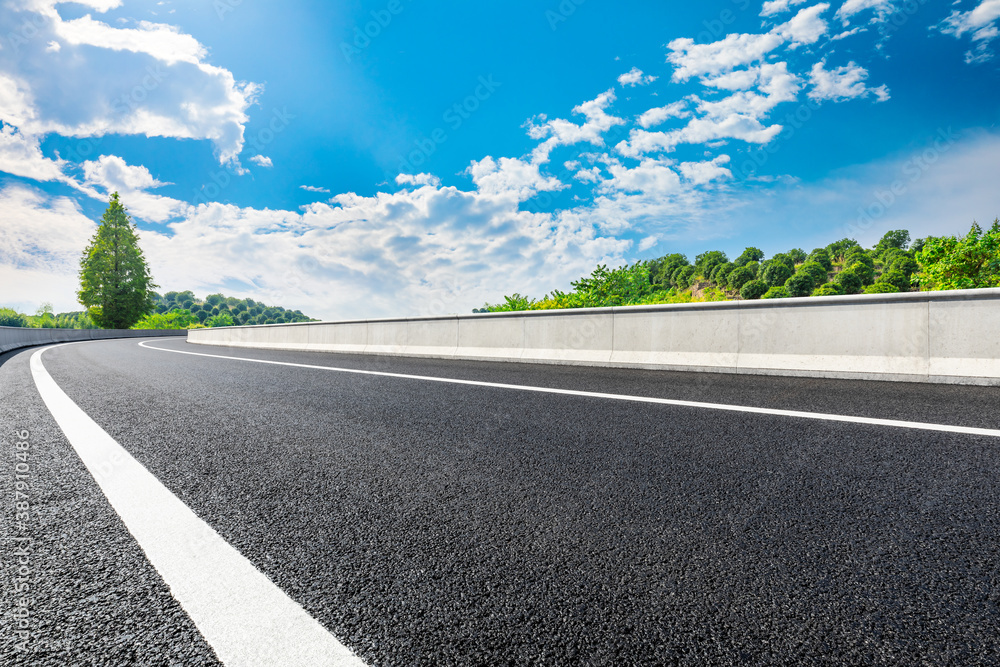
(427, 523)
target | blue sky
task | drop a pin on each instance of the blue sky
(365, 159)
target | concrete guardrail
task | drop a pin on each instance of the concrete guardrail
(951, 336)
(12, 338)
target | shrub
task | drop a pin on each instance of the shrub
(749, 255)
(797, 255)
(828, 289)
(816, 271)
(896, 278)
(849, 281)
(739, 277)
(12, 318)
(722, 272)
(863, 271)
(881, 288)
(754, 267)
(753, 289)
(822, 257)
(840, 249)
(223, 320)
(801, 284)
(776, 273)
(775, 293)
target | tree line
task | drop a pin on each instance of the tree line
(894, 264)
(116, 288)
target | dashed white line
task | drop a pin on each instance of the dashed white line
(893, 423)
(243, 616)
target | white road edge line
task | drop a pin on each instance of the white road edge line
(923, 426)
(243, 616)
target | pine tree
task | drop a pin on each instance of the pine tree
(115, 283)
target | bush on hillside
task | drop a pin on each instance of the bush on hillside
(822, 257)
(12, 318)
(849, 281)
(776, 273)
(828, 289)
(801, 284)
(751, 254)
(753, 289)
(881, 288)
(814, 270)
(775, 293)
(739, 277)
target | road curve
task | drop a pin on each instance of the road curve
(424, 522)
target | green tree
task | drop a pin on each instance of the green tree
(821, 256)
(776, 273)
(751, 254)
(753, 289)
(115, 284)
(897, 239)
(223, 320)
(12, 318)
(961, 263)
(739, 277)
(801, 284)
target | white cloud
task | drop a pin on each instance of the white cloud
(262, 160)
(559, 132)
(651, 177)
(806, 27)
(842, 83)
(635, 77)
(418, 179)
(658, 115)
(592, 175)
(511, 176)
(700, 173)
(647, 243)
(851, 7)
(314, 188)
(690, 59)
(981, 22)
(773, 7)
(150, 79)
(21, 155)
(111, 173)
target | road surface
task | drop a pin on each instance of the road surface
(418, 513)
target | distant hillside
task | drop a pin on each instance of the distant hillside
(843, 267)
(222, 310)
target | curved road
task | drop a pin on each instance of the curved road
(424, 522)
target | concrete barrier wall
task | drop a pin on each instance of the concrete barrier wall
(925, 337)
(12, 338)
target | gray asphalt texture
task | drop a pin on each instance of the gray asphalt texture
(435, 524)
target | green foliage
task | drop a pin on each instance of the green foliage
(863, 271)
(776, 293)
(838, 250)
(739, 277)
(12, 318)
(511, 303)
(177, 319)
(751, 254)
(753, 289)
(849, 281)
(896, 278)
(897, 239)
(797, 255)
(814, 270)
(822, 257)
(223, 320)
(785, 259)
(881, 288)
(115, 284)
(828, 289)
(706, 262)
(721, 274)
(661, 269)
(966, 262)
(776, 273)
(800, 284)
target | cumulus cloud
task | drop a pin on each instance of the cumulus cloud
(21, 155)
(981, 25)
(705, 171)
(110, 173)
(690, 59)
(842, 83)
(262, 160)
(560, 132)
(773, 7)
(314, 188)
(635, 77)
(511, 176)
(82, 78)
(418, 179)
(806, 27)
(658, 115)
(882, 9)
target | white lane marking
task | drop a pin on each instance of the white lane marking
(923, 426)
(240, 612)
